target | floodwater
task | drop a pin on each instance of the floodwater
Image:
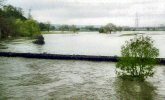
(36, 79)
(83, 43)
(39, 79)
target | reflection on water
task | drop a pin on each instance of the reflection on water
(39, 79)
(133, 90)
(84, 43)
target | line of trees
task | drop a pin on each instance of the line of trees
(72, 28)
(13, 23)
(46, 26)
(75, 28)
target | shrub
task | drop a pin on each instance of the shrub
(26, 28)
(138, 58)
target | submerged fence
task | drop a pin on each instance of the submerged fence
(67, 57)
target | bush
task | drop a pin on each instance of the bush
(138, 58)
(31, 27)
(26, 28)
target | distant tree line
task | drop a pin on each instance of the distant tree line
(113, 28)
(72, 28)
(75, 28)
(46, 26)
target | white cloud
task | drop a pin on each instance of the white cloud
(120, 12)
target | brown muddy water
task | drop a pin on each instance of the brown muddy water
(39, 79)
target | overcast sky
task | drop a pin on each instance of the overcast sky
(95, 12)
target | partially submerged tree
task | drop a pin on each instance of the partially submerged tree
(138, 58)
(108, 28)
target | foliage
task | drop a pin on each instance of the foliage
(91, 28)
(102, 30)
(46, 26)
(108, 28)
(64, 28)
(26, 28)
(10, 11)
(31, 27)
(138, 58)
(13, 23)
(73, 28)
(43, 26)
(7, 27)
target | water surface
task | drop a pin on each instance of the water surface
(36, 79)
(83, 43)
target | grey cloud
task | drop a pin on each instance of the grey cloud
(117, 11)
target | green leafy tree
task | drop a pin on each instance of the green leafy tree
(110, 27)
(73, 28)
(138, 58)
(13, 23)
(7, 27)
(32, 27)
(11, 11)
(102, 30)
(26, 28)
(8, 20)
(19, 25)
(91, 28)
(64, 28)
(48, 26)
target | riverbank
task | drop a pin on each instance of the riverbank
(58, 32)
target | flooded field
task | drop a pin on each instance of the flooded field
(36, 79)
(83, 43)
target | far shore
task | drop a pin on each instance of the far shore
(58, 32)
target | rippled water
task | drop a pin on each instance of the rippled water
(84, 43)
(35, 79)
